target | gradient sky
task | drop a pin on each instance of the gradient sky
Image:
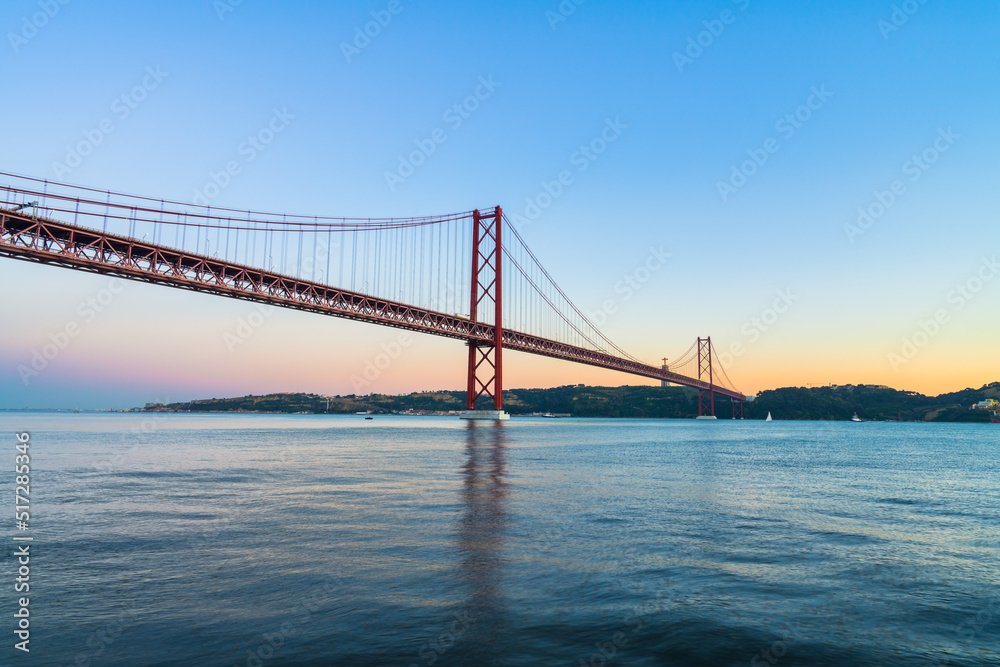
(891, 94)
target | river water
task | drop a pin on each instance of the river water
(259, 540)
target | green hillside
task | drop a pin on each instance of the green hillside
(819, 403)
(872, 402)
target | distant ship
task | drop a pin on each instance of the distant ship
(769, 418)
(856, 418)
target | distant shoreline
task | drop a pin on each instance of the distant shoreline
(831, 403)
(233, 413)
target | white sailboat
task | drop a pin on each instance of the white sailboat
(769, 418)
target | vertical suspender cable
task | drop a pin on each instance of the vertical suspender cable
(329, 251)
(354, 258)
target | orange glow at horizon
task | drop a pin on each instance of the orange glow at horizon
(439, 364)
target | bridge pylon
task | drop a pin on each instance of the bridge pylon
(706, 397)
(486, 358)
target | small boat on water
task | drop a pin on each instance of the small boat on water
(769, 418)
(856, 418)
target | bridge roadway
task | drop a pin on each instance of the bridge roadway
(46, 241)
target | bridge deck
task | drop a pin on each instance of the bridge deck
(56, 243)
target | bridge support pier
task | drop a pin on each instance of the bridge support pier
(738, 406)
(487, 415)
(486, 358)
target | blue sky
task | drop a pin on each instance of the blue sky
(888, 95)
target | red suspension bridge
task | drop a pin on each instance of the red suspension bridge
(468, 276)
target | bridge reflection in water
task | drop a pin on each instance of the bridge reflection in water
(481, 532)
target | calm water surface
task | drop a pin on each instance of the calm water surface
(311, 540)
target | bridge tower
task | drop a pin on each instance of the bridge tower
(486, 359)
(706, 397)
